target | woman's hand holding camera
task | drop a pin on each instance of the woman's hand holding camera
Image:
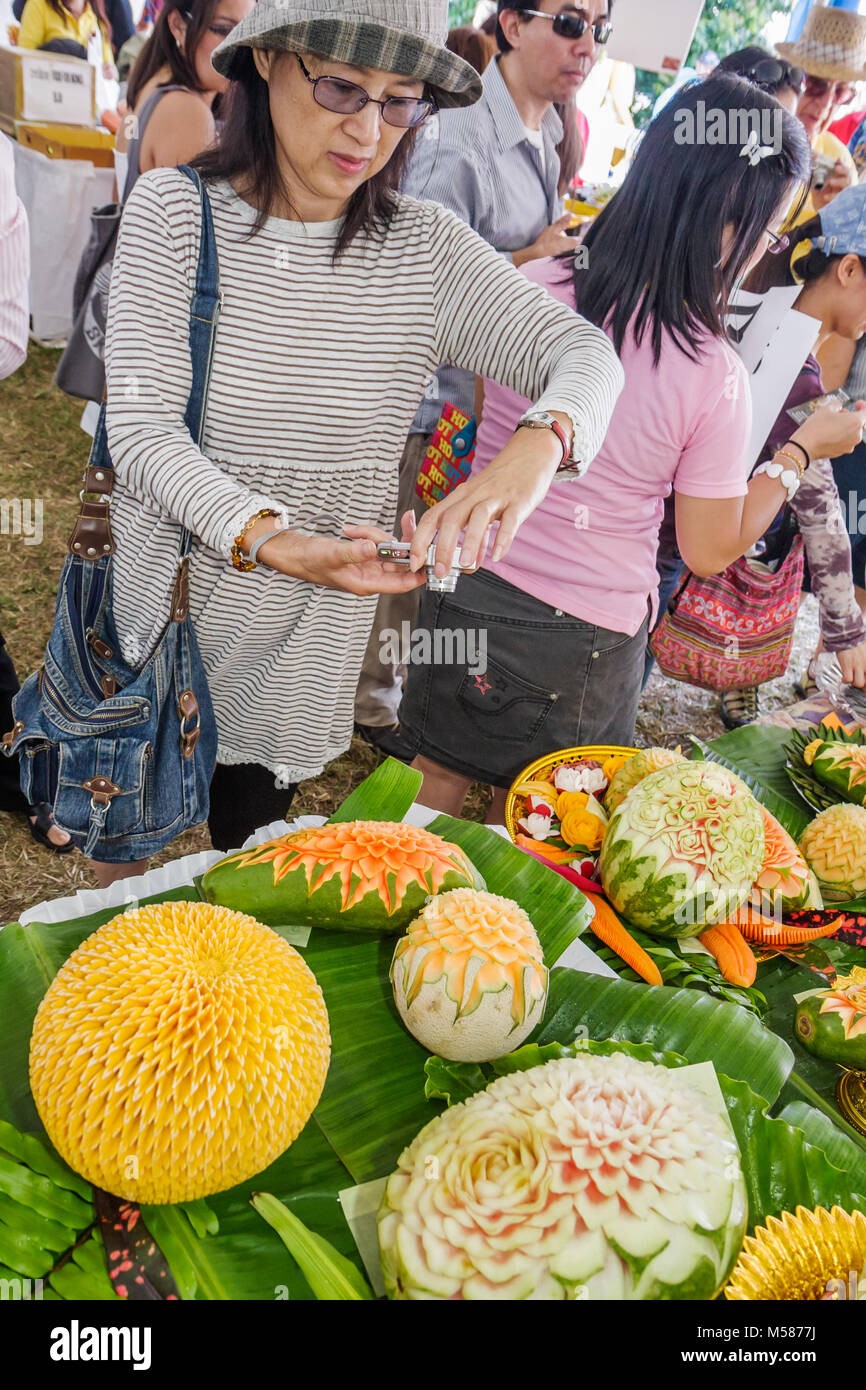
(831, 431)
(348, 565)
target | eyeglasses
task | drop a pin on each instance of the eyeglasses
(573, 26)
(773, 73)
(820, 86)
(347, 98)
(778, 244)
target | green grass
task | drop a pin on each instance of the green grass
(43, 457)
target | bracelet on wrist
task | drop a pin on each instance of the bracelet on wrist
(241, 561)
(800, 467)
(795, 443)
(788, 477)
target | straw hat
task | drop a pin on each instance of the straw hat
(832, 45)
(406, 37)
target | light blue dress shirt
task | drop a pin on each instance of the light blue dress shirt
(478, 161)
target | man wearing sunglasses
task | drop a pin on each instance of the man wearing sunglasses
(495, 165)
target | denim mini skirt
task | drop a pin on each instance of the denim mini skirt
(549, 680)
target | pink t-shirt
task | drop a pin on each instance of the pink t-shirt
(590, 547)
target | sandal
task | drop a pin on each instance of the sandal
(740, 707)
(807, 686)
(40, 827)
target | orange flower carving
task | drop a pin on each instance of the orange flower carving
(848, 1000)
(367, 856)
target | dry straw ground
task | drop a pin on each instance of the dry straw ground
(42, 455)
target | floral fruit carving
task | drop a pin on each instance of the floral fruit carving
(832, 1022)
(586, 1178)
(839, 766)
(178, 1052)
(356, 875)
(834, 847)
(785, 880)
(683, 850)
(637, 767)
(469, 976)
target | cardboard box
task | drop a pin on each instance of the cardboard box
(68, 142)
(45, 88)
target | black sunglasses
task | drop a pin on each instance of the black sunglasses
(773, 73)
(347, 98)
(573, 26)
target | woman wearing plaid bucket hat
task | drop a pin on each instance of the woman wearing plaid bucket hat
(339, 299)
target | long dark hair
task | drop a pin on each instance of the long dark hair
(247, 152)
(98, 7)
(655, 251)
(773, 271)
(162, 51)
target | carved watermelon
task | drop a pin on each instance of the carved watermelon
(355, 875)
(683, 849)
(785, 880)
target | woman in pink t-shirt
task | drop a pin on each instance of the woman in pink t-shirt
(543, 647)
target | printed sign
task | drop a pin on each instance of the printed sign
(773, 339)
(56, 92)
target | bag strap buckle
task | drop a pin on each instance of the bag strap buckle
(101, 789)
(8, 739)
(188, 710)
(180, 595)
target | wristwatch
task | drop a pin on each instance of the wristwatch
(543, 420)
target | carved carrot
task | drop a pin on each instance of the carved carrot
(765, 931)
(734, 955)
(610, 930)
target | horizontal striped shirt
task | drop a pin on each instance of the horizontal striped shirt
(14, 267)
(317, 370)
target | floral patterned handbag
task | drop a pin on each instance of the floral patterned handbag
(733, 629)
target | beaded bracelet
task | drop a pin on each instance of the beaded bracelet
(239, 559)
(797, 445)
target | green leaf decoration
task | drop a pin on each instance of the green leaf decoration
(755, 754)
(329, 1274)
(386, 794)
(556, 908)
(83, 1278)
(820, 1130)
(453, 1082)
(671, 1020)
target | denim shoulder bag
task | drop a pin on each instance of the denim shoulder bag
(123, 756)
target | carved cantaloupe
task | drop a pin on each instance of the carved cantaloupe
(355, 875)
(469, 977)
(179, 1051)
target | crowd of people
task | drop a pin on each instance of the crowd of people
(388, 217)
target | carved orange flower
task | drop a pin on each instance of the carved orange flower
(367, 856)
(848, 1001)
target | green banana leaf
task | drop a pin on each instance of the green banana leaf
(825, 1135)
(674, 1020)
(756, 753)
(386, 794)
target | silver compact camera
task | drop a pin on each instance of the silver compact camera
(822, 168)
(397, 553)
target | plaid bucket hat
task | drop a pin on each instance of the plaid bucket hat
(406, 37)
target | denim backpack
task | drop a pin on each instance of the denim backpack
(123, 756)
